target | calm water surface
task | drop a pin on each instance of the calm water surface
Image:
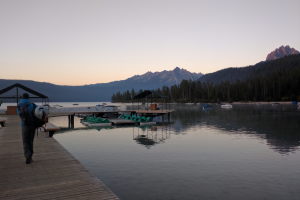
(249, 152)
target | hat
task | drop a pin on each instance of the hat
(25, 96)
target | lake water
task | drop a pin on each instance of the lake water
(249, 152)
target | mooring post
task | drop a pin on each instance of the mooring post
(51, 133)
(69, 121)
(169, 117)
(72, 121)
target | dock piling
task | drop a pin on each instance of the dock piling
(71, 121)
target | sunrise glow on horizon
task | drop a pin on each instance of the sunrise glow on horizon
(77, 42)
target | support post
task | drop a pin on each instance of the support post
(69, 121)
(17, 95)
(72, 121)
(51, 133)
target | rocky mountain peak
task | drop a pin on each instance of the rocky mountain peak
(176, 69)
(166, 77)
(281, 52)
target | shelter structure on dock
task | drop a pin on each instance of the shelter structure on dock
(148, 98)
(151, 109)
(19, 87)
(19, 90)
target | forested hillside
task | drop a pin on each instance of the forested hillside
(277, 80)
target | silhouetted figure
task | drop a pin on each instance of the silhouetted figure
(26, 113)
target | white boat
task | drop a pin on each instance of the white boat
(106, 108)
(226, 106)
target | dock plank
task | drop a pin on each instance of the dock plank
(54, 174)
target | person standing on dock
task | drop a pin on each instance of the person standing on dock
(26, 112)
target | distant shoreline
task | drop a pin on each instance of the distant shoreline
(265, 102)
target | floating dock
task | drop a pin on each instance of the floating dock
(54, 174)
(117, 122)
(72, 112)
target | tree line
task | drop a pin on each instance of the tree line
(282, 84)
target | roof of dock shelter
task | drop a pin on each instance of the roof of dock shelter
(143, 94)
(29, 90)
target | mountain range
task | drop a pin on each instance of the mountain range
(281, 52)
(274, 61)
(104, 91)
(154, 80)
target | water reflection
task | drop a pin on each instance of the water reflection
(151, 135)
(220, 154)
(279, 126)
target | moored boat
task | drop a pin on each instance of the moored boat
(226, 106)
(207, 107)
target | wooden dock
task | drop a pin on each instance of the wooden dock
(72, 112)
(54, 174)
(122, 122)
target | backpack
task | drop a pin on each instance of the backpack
(39, 122)
(26, 112)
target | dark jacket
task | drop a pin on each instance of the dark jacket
(25, 102)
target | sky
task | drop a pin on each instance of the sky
(77, 42)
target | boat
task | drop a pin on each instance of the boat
(106, 108)
(207, 107)
(101, 105)
(57, 106)
(92, 121)
(275, 104)
(110, 108)
(226, 106)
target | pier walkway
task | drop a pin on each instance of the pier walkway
(54, 174)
